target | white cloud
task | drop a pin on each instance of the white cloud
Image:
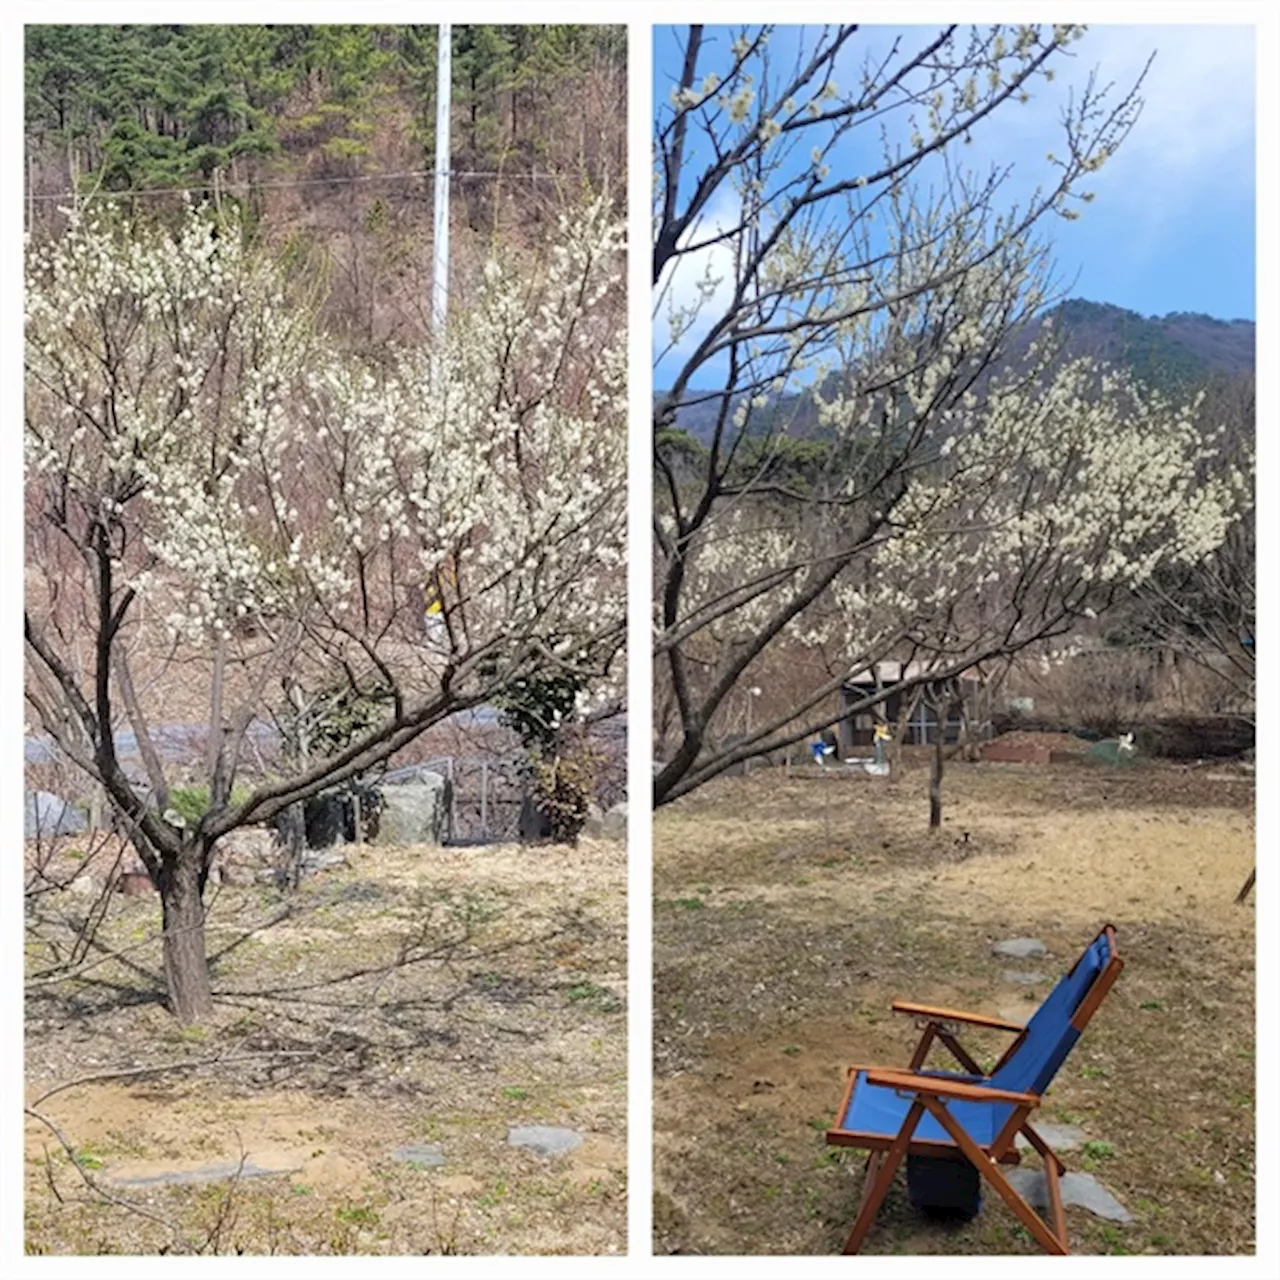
(1198, 94)
(1195, 130)
(1191, 146)
(706, 276)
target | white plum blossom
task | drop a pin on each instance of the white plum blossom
(241, 465)
(740, 104)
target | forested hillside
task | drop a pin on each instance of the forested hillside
(326, 135)
(1177, 353)
(1169, 351)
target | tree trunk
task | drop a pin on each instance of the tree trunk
(893, 750)
(186, 966)
(293, 845)
(935, 776)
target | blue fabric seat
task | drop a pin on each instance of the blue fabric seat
(875, 1109)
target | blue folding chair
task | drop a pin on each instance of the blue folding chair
(973, 1116)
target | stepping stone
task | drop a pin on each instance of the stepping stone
(424, 1153)
(1020, 949)
(322, 860)
(1061, 1137)
(544, 1140)
(1020, 1013)
(1081, 1189)
(1023, 978)
(220, 1172)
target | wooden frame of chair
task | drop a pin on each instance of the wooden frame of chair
(930, 1094)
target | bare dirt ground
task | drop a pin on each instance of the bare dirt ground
(417, 996)
(789, 913)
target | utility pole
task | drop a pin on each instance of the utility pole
(440, 247)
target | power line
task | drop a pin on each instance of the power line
(279, 184)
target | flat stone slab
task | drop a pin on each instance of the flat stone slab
(545, 1140)
(222, 1171)
(1024, 977)
(424, 1153)
(1020, 949)
(1061, 1137)
(1020, 1013)
(1081, 1189)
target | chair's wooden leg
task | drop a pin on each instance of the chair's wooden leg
(873, 1193)
(990, 1170)
(1053, 1169)
(1058, 1214)
(874, 1161)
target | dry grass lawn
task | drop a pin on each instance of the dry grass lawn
(333, 1046)
(789, 913)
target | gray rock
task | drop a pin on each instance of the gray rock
(85, 887)
(1061, 1137)
(48, 815)
(544, 1139)
(249, 845)
(220, 1172)
(415, 812)
(613, 826)
(1019, 949)
(1023, 977)
(1081, 1189)
(423, 1153)
(594, 825)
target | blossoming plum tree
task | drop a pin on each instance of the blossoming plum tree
(218, 495)
(866, 448)
(1205, 612)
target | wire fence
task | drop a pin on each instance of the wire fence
(486, 795)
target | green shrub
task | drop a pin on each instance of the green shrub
(192, 803)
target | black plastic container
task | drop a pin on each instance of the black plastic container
(936, 1185)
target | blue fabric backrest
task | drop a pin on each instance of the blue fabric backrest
(1050, 1035)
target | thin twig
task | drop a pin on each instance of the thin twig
(161, 1067)
(92, 1183)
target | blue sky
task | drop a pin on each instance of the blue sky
(1172, 224)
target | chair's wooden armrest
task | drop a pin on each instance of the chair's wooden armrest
(935, 1014)
(941, 1087)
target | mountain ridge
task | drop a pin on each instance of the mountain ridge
(1176, 352)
